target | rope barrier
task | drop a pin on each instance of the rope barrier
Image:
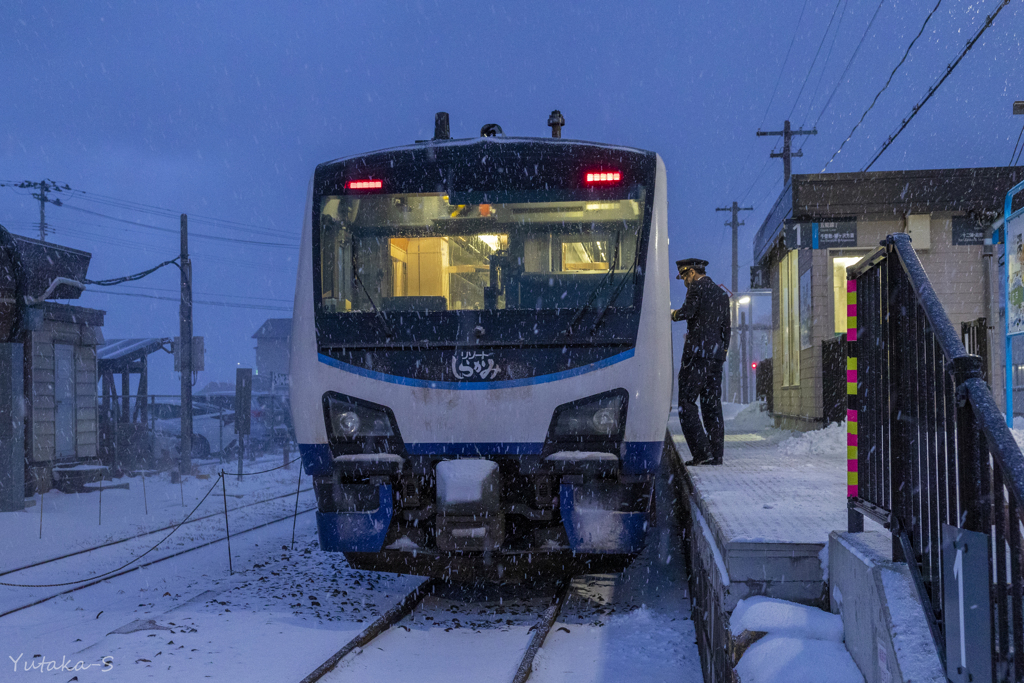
(127, 564)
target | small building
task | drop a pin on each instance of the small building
(273, 354)
(59, 355)
(823, 223)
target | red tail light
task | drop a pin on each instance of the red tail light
(364, 184)
(603, 177)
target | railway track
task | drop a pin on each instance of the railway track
(107, 577)
(397, 613)
(108, 544)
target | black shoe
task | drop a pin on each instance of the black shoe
(695, 461)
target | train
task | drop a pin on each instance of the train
(481, 354)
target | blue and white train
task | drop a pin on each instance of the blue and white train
(480, 367)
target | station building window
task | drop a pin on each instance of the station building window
(789, 317)
(839, 266)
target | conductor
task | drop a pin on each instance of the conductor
(706, 311)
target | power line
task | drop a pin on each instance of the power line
(942, 79)
(828, 58)
(796, 32)
(171, 230)
(884, 87)
(231, 296)
(196, 301)
(849, 63)
(1014, 152)
(161, 211)
(815, 60)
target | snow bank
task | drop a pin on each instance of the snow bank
(752, 418)
(731, 410)
(802, 643)
(828, 441)
(782, 659)
(783, 618)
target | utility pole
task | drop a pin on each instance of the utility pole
(786, 154)
(185, 314)
(735, 223)
(43, 186)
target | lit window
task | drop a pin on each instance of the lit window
(839, 266)
(789, 317)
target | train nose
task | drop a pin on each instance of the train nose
(469, 515)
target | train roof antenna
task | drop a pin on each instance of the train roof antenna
(556, 121)
(441, 129)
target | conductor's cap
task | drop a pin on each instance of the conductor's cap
(691, 263)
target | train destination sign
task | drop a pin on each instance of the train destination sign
(824, 234)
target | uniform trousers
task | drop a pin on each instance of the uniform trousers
(701, 379)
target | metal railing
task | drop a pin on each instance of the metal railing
(931, 458)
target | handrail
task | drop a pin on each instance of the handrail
(930, 455)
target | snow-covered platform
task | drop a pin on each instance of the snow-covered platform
(759, 524)
(770, 507)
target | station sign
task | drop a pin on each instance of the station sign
(967, 232)
(825, 234)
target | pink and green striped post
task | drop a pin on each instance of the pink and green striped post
(856, 521)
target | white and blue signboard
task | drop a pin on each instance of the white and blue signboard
(824, 234)
(1013, 244)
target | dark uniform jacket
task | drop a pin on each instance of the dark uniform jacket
(708, 328)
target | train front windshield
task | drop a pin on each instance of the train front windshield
(421, 253)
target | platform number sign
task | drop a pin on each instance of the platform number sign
(965, 589)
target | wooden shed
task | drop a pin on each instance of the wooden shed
(59, 341)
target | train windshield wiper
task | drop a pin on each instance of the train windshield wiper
(378, 315)
(607, 279)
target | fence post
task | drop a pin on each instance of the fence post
(854, 519)
(968, 446)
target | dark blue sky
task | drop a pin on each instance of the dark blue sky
(222, 110)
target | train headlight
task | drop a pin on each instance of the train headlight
(606, 421)
(350, 419)
(595, 418)
(347, 423)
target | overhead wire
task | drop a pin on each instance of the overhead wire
(871, 106)
(942, 79)
(828, 58)
(223, 304)
(161, 211)
(796, 32)
(191, 233)
(814, 61)
(849, 63)
(1014, 152)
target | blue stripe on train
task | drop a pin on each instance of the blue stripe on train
(640, 457)
(475, 386)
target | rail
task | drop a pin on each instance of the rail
(931, 458)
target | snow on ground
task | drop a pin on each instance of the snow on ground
(801, 643)
(283, 612)
(826, 442)
(72, 521)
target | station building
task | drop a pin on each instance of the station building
(823, 223)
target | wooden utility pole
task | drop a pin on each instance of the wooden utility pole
(43, 186)
(185, 315)
(735, 224)
(787, 153)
